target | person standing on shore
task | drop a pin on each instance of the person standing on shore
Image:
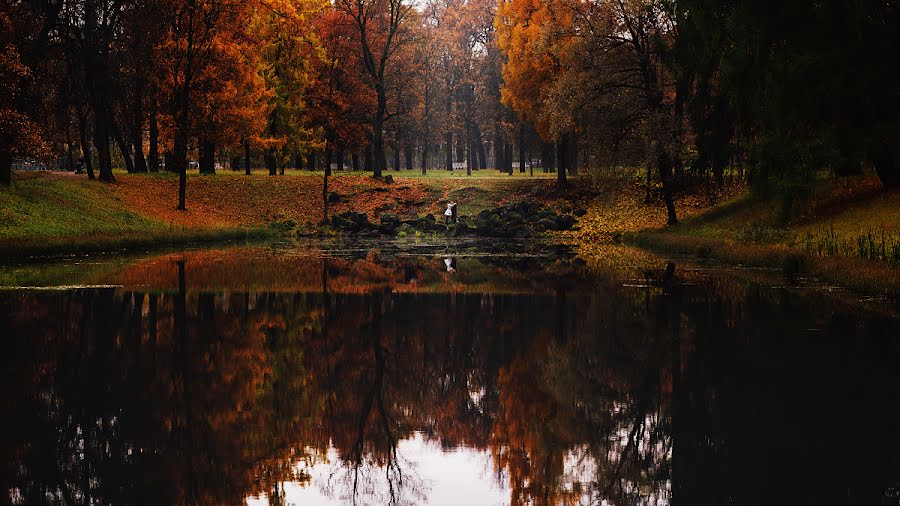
(450, 212)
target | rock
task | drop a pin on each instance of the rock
(564, 222)
(389, 179)
(580, 212)
(358, 218)
(334, 197)
(351, 221)
(389, 218)
(523, 208)
(513, 216)
(545, 224)
(338, 221)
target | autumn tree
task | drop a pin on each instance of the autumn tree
(338, 99)
(231, 100)
(197, 28)
(19, 133)
(468, 32)
(382, 28)
(289, 48)
(537, 39)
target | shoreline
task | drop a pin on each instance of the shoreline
(861, 276)
(128, 244)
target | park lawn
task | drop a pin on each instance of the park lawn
(43, 207)
(52, 213)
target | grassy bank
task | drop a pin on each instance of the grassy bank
(45, 213)
(845, 233)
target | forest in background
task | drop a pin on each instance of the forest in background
(778, 93)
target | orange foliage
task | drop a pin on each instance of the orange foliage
(224, 202)
(537, 39)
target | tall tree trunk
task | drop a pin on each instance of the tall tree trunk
(101, 143)
(396, 157)
(354, 161)
(424, 158)
(664, 166)
(95, 81)
(499, 162)
(340, 156)
(378, 132)
(272, 161)
(137, 129)
(367, 159)
(530, 164)
(325, 183)
(247, 157)
(153, 152)
(70, 159)
(482, 155)
(681, 90)
(408, 151)
(180, 139)
(179, 163)
(521, 148)
(508, 158)
(207, 157)
(448, 136)
(449, 157)
(467, 147)
(5, 165)
(562, 184)
(272, 155)
(573, 156)
(123, 147)
(85, 146)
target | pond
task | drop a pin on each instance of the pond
(324, 373)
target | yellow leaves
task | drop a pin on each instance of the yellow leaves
(619, 207)
(538, 41)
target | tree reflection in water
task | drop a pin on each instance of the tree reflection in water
(687, 389)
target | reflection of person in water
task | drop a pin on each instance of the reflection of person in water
(451, 264)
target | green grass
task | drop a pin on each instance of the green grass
(42, 208)
(849, 237)
(46, 216)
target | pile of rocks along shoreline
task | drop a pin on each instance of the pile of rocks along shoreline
(520, 220)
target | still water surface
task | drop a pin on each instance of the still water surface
(322, 374)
